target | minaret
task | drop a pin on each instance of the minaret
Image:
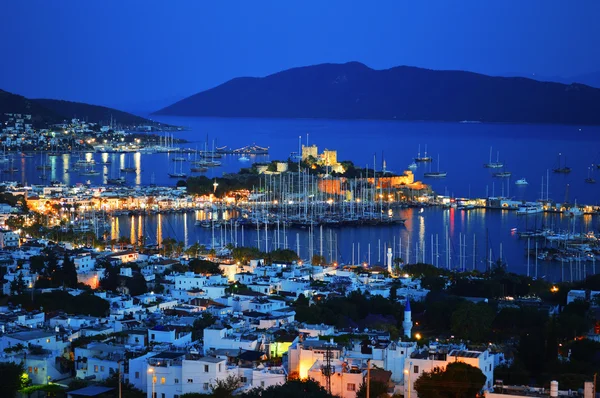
(389, 260)
(407, 323)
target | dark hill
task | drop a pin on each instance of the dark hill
(13, 103)
(92, 113)
(355, 91)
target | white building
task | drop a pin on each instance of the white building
(426, 361)
(8, 239)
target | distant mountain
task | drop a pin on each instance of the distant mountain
(355, 91)
(13, 103)
(92, 113)
(51, 111)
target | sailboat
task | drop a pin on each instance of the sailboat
(424, 158)
(564, 169)
(43, 165)
(589, 179)
(435, 174)
(175, 174)
(128, 169)
(494, 165)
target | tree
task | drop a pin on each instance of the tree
(458, 380)
(317, 259)
(201, 323)
(17, 285)
(11, 378)
(204, 267)
(377, 389)
(224, 388)
(127, 389)
(69, 272)
(136, 284)
(111, 280)
(472, 321)
(291, 389)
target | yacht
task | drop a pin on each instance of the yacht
(244, 158)
(412, 166)
(436, 174)
(494, 165)
(522, 181)
(425, 158)
(502, 174)
(529, 209)
(116, 181)
(574, 211)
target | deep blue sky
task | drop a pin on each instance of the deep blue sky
(145, 54)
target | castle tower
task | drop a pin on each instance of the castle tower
(407, 323)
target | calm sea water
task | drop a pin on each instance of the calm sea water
(528, 151)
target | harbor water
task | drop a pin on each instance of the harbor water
(450, 238)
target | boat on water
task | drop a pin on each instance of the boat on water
(561, 169)
(207, 163)
(412, 166)
(179, 159)
(529, 209)
(590, 179)
(502, 174)
(90, 173)
(198, 169)
(521, 181)
(177, 174)
(116, 181)
(436, 174)
(128, 169)
(424, 158)
(574, 211)
(494, 165)
(244, 158)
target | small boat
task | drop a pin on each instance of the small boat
(436, 174)
(198, 169)
(494, 165)
(424, 158)
(43, 167)
(502, 174)
(128, 169)
(244, 158)
(590, 179)
(412, 166)
(522, 181)
(561, 169)
(177, 175)
(179, 159)
(106, 163)
(90, 173)
(116, 181)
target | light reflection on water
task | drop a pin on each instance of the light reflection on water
(425, 237)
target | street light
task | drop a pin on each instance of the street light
(407, 373)
(151, 371)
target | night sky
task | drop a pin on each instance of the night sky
(142, 55)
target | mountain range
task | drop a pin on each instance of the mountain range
(355, 91)
(49, 111)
